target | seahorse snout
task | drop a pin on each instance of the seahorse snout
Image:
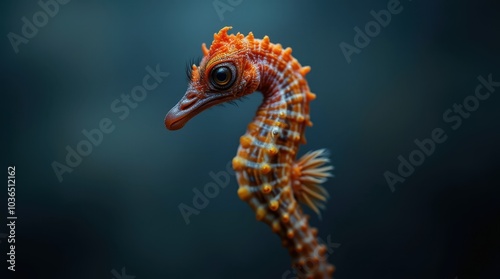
(190, 105)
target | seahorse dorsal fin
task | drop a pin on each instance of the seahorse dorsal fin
(308, 173)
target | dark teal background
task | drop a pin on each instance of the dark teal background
(119, 207)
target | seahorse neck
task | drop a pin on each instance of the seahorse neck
(273, 136)
(284, 111)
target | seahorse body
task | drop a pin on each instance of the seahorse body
(270, 178)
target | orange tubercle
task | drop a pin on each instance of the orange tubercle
(285, 218)
(204, 49)
(272, 150)
(244, 193)
(238, 163)
(265, 168)
(305, 70)
(261, 213)
(266, 188)
(245, 141)
(274, 205)
(310, 96)
(276, 227)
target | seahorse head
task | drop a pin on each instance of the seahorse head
(225, 74)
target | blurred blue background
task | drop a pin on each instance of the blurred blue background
(119, 207)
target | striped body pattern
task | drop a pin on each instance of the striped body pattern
(271, 180)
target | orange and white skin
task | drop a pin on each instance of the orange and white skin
(271, 180)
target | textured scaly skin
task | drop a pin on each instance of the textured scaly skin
(268, 149)
(264, 163)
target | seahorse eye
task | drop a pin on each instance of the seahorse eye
(223, 76)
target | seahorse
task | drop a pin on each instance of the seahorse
(270, 178)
